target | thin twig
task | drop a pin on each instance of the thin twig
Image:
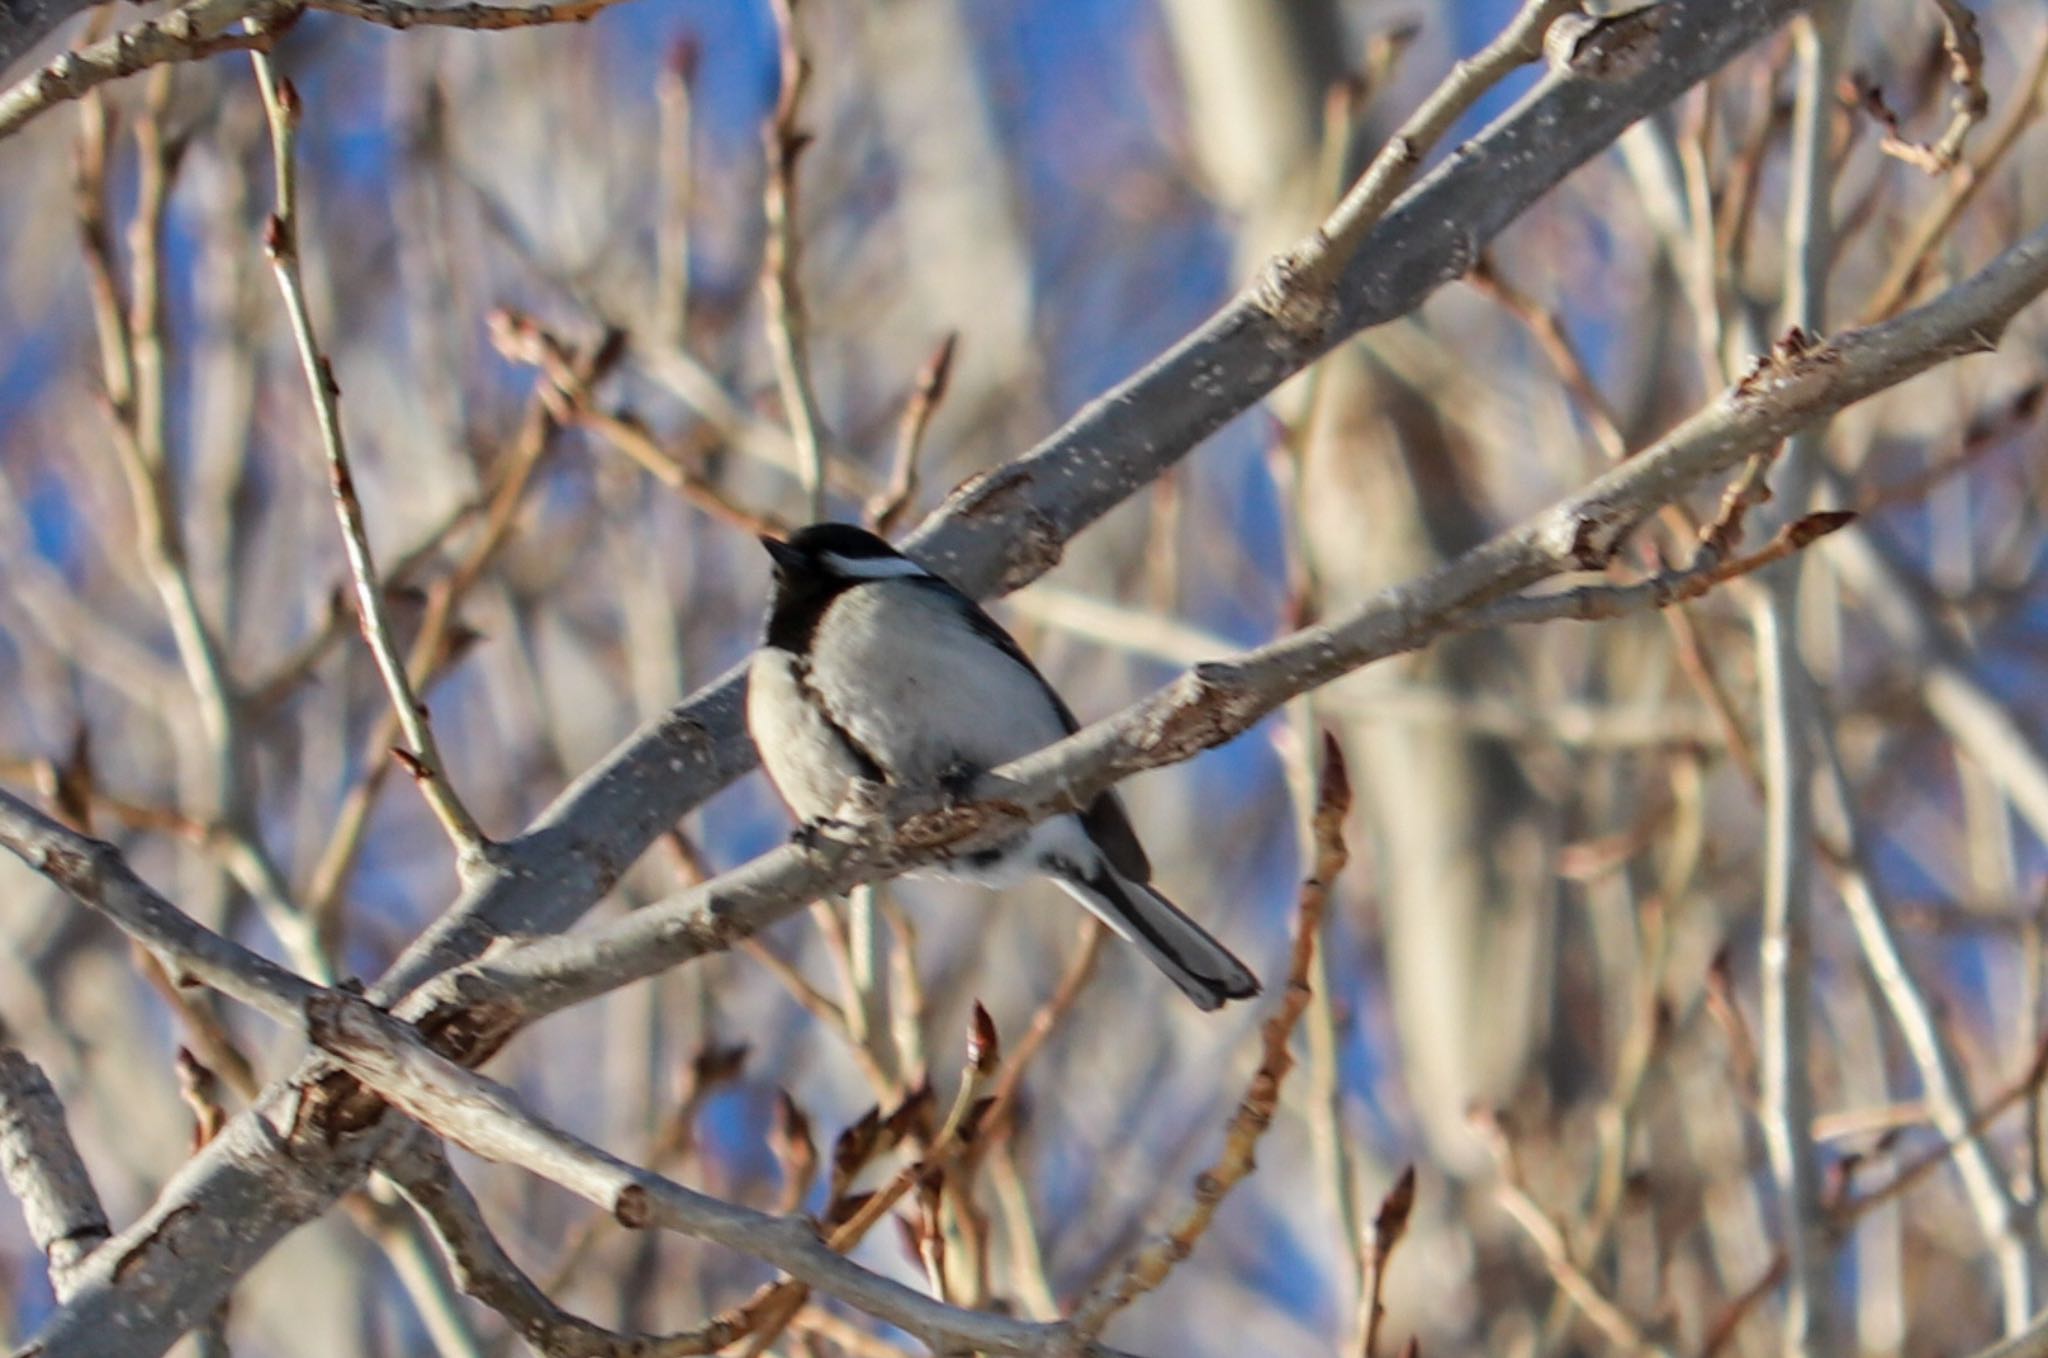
(1620, 1328)
(1943, 1083)
(962, 1126)
(780, 291)
(1550, 334)
(1789, 719)
(1389, 1225)
(1303, 279)
(677, 170)
(996, 1123)
(887, 509)
(566, 391)
(1148, 1268)
(136, 360)
(487, 18)
(1967, 107)
(1931, 231)
(95, 875)
(483, 1270)
(423, 757)
(441, 637)
(1587, 603)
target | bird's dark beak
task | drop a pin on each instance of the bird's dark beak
(787, 558)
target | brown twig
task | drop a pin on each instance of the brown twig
(1587, 603)
(1003, 1096)
(1549, 332)
(1621, 1329)
(441, 637)
(1845, 1212)
(484, 18)
(958, 1132)
(785, 143)
(1389, 1225)
(566, 390)
(1931, 231)
(1148, 1268)
(1967, 107)
(199, 1087)
(885, 511)
(821, 1007)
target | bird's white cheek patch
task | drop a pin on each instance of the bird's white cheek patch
(872, 567)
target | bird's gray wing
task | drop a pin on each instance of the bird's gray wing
(1105, 819)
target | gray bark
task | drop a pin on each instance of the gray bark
(24, 23)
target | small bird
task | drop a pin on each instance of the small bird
(875, 668)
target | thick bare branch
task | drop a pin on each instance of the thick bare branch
(44, 1172)
(487, 1120)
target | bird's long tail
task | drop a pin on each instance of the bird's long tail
(1206, 971)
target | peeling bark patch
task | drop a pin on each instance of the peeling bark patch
(1003, 497)
(631, 1207)
(337, 1105)
(75, 872)
(1036, 546)
(1588, 552)
(468, 1034)
(1212, 705)
(1619, 48)
(164, 1234)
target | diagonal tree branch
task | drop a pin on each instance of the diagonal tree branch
(98, 877)
(486, 1119)
(43, 1170)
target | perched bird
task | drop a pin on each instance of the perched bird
(875, 668)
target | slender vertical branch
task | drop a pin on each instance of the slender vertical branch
(423, 757)
(779, 266)
(2001, 1215)
(1788, 722)
(678, 173)
(135, 365)
(886, 509)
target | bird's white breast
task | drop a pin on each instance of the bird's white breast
(908, 676)
(805, 759)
